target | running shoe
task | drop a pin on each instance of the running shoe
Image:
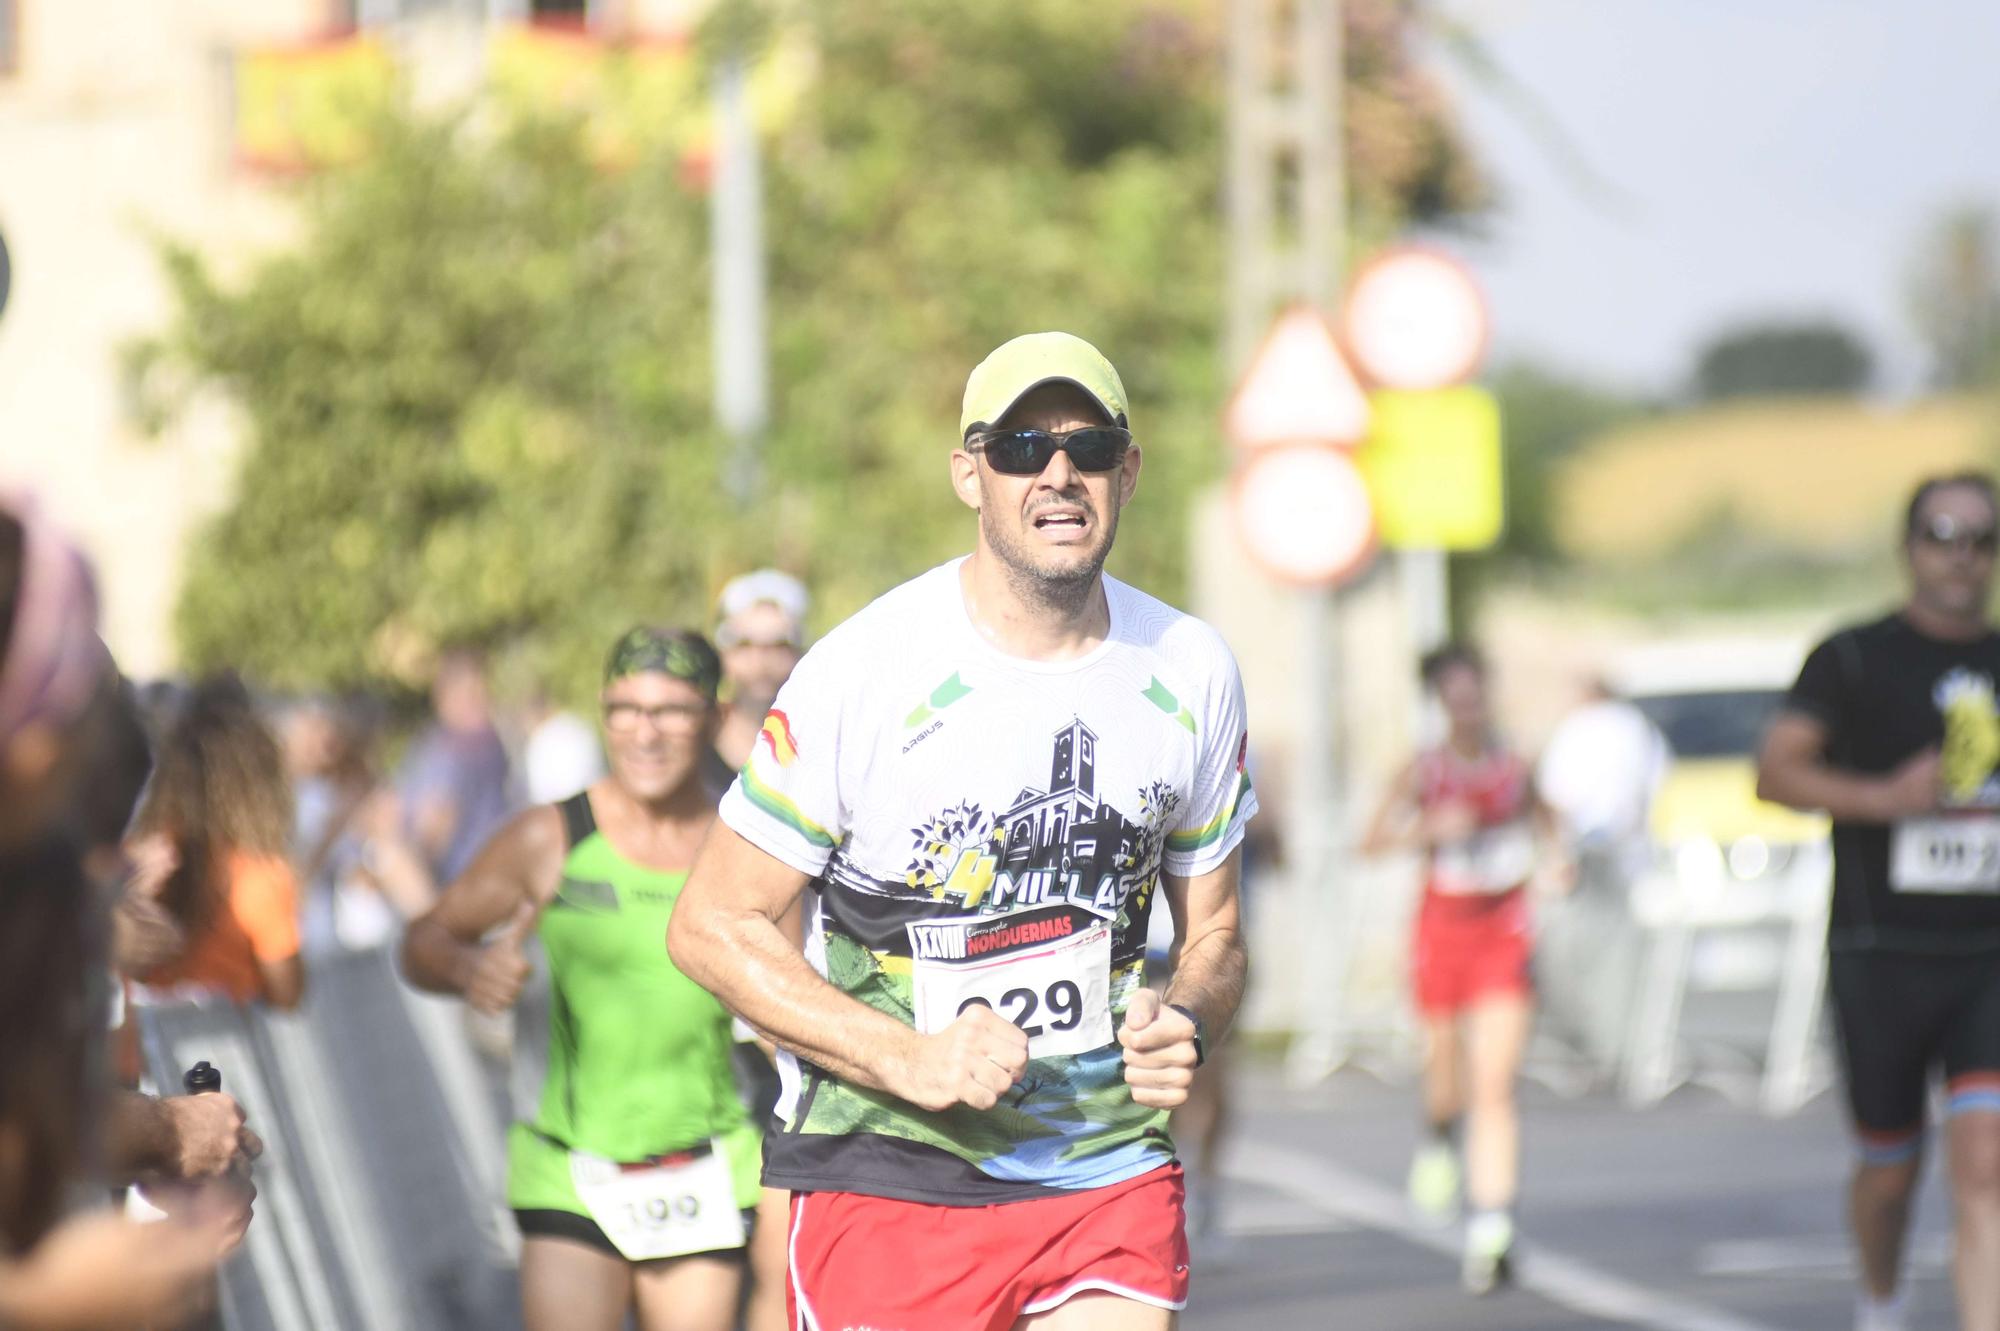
(1434, 1180)
(1489, 1253)
(1887, 1315)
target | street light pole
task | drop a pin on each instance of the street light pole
(736, 227)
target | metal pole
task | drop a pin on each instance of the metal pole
(1278, 117)
(1426, 596)
(742, 387)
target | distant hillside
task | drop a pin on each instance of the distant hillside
(1817, 476)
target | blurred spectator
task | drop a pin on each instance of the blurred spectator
(562, 755)
(71, 756)
(1600, 772)
(360, 878)
(211, 846)
(453, 783)
(761, 637)
(51, 663)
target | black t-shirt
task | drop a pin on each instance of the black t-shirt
(1885, 692)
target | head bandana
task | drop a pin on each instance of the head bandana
(54, 656)
(681, 653)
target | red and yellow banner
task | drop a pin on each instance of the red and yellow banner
(301, 107)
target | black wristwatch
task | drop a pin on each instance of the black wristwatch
(1200, 1049)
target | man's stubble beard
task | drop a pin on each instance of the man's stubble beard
(1063, 590)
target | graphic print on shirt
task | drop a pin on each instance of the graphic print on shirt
(1965, 699)
(1060, 860)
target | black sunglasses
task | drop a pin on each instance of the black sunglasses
(1943, 531)
(1029, 452)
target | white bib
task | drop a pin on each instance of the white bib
(1055, 984)
(1493, 859)
(661, 1210)
(1956, 854)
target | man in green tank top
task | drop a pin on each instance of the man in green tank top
(631, 1181)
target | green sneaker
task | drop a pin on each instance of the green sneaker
(1489, 1253)
(1434, 1178)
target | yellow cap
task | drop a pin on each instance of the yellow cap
(1028, 362)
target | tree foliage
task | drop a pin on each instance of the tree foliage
(1783, 359)
(1954, 298)
(477, 391)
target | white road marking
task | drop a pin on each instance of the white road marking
(1559, 1278)
(1828, 1257)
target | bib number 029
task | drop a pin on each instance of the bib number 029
(1062, 1002)
(1058, 992)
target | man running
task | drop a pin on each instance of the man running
(631, 1182)
(984, 778)
(1893, 729)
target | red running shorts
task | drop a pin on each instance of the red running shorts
(891, 1265)
(1469, 948)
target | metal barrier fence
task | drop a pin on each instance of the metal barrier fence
(379, 1191)
(1699, 974)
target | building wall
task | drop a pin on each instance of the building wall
(114, 126)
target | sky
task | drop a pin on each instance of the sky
(1764, 159)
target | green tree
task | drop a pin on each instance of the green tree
(1954, 298)
(476, 392)
(1783, 358)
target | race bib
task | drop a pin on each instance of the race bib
(1951, 854)
(665, 1209)
(1493, 859)
(1047, 971)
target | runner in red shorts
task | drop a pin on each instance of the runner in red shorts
(980, 787)
(1470, 807)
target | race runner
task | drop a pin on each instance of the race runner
(1893, 729)
(984, 779)
(1469, 806)
(631, 1183)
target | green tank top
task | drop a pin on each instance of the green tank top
(638, 1054)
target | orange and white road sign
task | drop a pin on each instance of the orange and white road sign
(1303, 514)
(1298, 389)
(1414, 319)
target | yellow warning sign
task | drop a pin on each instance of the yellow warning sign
(1432, 463)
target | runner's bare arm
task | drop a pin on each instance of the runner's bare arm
(512, 878)
(726, 935)
(1395, 824)
(1210, 960)
(1210, 964)
(1792, 769)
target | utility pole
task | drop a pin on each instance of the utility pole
(1287, 221)
(736, 257)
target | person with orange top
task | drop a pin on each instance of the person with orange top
(211, 842)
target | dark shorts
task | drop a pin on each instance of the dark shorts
(550, 1224)
(1899, 1015)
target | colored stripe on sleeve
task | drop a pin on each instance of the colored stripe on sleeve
(776, 804)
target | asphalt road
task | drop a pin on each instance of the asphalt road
(1693, 1215)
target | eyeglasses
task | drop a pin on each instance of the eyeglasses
(1945, 532)
(622, 718)
(1029, 452)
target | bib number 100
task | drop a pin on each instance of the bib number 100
(1061, 1003)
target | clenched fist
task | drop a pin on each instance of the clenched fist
(502, 970)
(1159, 1052)
(972, 1062)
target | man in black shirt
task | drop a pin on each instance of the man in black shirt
(1893, 728)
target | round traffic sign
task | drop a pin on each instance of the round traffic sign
(1303, 514)
(1415, 319)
